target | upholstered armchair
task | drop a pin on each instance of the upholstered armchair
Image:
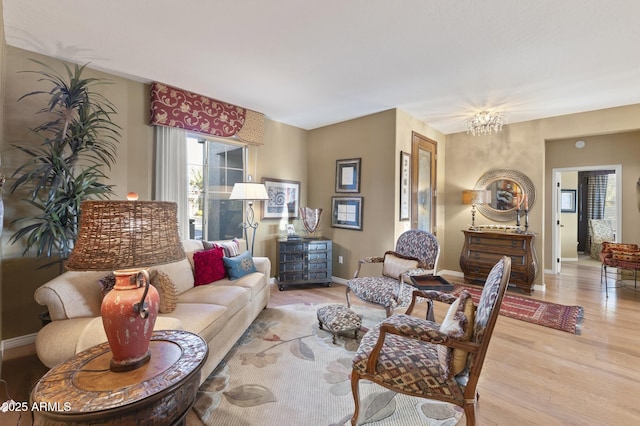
(620, 256)
(416, 253)
(600, 230)
(421, 358)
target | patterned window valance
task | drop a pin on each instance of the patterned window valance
(175, 107)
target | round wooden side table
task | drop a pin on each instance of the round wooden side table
(83, 390)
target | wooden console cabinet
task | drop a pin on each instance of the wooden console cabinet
(304, 261)
(483, 249)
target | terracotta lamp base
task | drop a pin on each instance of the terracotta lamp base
(129, 312)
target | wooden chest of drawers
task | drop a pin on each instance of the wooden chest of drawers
(305, 261)
(483, 249)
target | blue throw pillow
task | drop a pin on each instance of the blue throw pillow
(239, 266)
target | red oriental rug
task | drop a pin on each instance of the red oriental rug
(553, 315)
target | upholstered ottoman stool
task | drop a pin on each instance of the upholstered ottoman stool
(339, 319)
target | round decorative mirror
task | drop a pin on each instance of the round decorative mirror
(508, 187)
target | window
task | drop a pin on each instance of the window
(214, 167)
(610, 211)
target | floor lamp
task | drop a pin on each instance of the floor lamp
(249, 192)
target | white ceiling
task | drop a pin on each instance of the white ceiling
(313, 63)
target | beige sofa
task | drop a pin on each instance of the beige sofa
(219, 312)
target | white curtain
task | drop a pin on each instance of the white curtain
(171, 176)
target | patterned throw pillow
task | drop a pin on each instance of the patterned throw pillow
(457, 323)
(231, 248)
(208, 266)
(239, 266)
(167, 290)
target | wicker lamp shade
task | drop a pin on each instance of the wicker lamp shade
(126, 234)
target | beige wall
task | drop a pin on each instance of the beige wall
(377, 139)
(283, 156)
(372, 139)
(468, 158)
(604, 149)
(524, 146)
(131, 172)
(310, 156)
(406, 124)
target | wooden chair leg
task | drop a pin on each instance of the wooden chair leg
(470, 413)
(348, 297)
(389, 311)
(355, 391)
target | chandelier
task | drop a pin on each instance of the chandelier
(485, 122)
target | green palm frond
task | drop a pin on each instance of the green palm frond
(78, 142)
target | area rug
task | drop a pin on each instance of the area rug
(552, 315)
(286, 371)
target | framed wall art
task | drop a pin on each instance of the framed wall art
(568, 201)
(405, 185)
(348, 175)
(284, 199)
(346, 212)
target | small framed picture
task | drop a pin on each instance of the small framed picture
(568, 201)
(346, 212)
(348, 175)
(291, 230)
(405, 185)
(284, 199)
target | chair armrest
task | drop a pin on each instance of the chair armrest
(432, 295)
(418, 329)
(370, 259)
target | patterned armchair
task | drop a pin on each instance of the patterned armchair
(416, 253)
(421, 358)
(620, 256)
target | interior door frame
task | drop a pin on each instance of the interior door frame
(555, 188)
(418, 143)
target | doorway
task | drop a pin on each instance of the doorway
(423, 183)
(574, 228)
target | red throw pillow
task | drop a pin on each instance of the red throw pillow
(208, 266)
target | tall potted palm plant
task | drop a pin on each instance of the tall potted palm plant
(78, 144)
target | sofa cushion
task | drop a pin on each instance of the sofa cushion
(180, 273)
(203, 319)
(208, 266)
(232, 297)
(93, 333)
(255, 282)
(239, 266)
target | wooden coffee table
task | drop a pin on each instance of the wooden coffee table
(84, 390)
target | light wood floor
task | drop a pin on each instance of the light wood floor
(533, 375)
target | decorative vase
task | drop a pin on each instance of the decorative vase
(129, 312)
(310, 218)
